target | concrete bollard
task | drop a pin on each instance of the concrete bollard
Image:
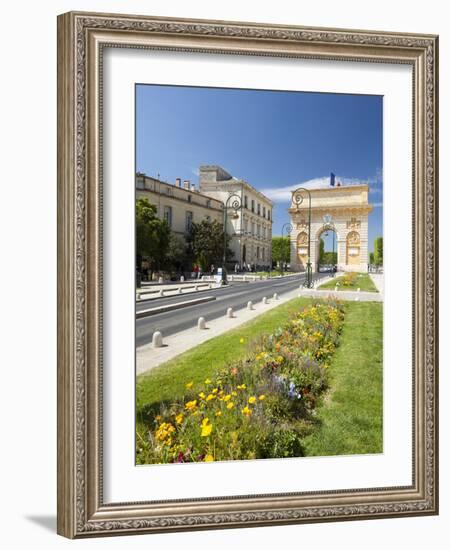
(160, 280)
(250, 305)
(180, 290)
(201, 324)
(161, 292)
(275, 296)
(196, 288)
(182, 279)
(244, 278)
(230, 313)
(357, 299)
(210, 285)
(230, 277)
(264, 300)
(336, 288)
(157, 340)
(358, 290)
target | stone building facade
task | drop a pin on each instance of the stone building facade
(349, 207)
(180, 204)
(250, 226)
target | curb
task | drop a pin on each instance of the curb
(179, 305)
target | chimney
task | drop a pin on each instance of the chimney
(178, 182)
(187, 184)
(193, 187)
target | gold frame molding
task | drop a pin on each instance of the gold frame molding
(81, 39)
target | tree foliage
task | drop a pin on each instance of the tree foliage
(207, 242)
(152, 235)
(281, 249)
(378, 251)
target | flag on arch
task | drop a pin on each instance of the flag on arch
(332, 179)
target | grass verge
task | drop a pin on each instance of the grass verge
(361, 281)
(351, 417)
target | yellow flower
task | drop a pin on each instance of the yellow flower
(279, 359)
(206, 427)
(209, 458)
(242, 387)
(201, 395)
(252, 400)
(230, 405)
(246, 411)
(241, 341)
(189, 385)
(234, 393)
(190, 405)
(262, 397)
(179, 418)
(219, 413)
(158, 418)
(207, 381)
(226, 397)
(210, 397)
(215, 390)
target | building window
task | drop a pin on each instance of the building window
(259, 209)
(263, 254)
(246, 226)
(189, 198)
(264, 211)
(208, 203)
(253, 205)
(258, 230)
(257, 252)
(253, 228)
(245, 201)
(168, 215)
(189, 218)
(268, 214)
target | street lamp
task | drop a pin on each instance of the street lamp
(233, 203)
(297, 198)
(288, 228)
(329, 225)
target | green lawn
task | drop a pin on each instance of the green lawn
(351, 416)
(362, 281)
(167, 382)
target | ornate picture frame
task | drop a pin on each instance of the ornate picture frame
(82, 38)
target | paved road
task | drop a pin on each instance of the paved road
(236, 296)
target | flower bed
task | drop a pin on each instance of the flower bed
(260, 407)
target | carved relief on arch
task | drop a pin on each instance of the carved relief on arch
(302, 248)
(353, 238)
(302, 238)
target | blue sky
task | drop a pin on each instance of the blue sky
(274, 140)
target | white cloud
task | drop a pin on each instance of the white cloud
(284, 194)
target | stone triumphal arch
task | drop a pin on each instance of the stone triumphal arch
(348, 207)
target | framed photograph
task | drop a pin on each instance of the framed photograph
(247, 276)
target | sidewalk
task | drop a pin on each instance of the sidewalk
(378, 281)
(148, 358)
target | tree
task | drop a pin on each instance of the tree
(322, 251)
(152, 235)
(378, 251)
(281, 252)
(207, 241)
(371, 258)
(177, 254)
